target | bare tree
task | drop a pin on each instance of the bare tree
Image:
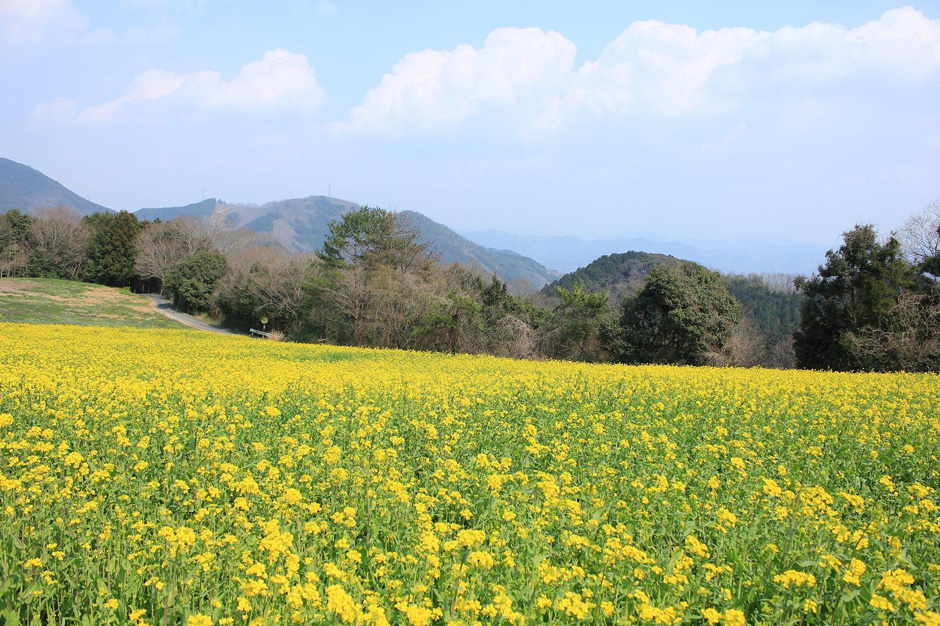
(779, 282)
(920, 235)
(245, 257)
(521, 341)
(231, 241)
(61, 237)
(282, 292)
(910, 341)
(744, 348)
(781, 355)
(164, 245)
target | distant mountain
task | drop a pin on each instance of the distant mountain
(302, 224)
(620, 275)
(567, 253)
(299, 225)
(202, 210)
(453, 248)
(23, 188)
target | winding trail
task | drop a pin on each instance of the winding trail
(166, 307)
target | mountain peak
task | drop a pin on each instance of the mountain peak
(26, 189)
(302, 224)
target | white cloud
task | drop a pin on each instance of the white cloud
(59, 111)
(34, 21)
(661, 66)
(26, 24)
(650, 69)
(279, 81)
(435, 89)
(671, 70)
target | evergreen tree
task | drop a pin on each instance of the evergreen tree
(16, 243)
(193, 281)
(583, 325)
(112, 250)
(857, 288)
(682, 313)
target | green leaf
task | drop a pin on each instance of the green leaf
(9, 618)
(850, 595)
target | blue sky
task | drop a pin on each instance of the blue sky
(768, 121)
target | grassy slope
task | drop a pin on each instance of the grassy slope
(50, 301)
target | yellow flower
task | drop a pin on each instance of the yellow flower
(293, 496)
(772, 489)
(927, 618)
(795, 579)
(853, 572)
(481, 559)
(417, 615)
(341, 604)
(734, 617)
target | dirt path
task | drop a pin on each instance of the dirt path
(166, 307)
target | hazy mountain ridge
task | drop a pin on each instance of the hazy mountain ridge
(454, 248)
(201, 210)
(302, 224)
(567, 253)
(298, 224)
(26, 189)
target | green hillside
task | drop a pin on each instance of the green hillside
(26, 189)
(620, 275)
(773, 313)
(52, 301)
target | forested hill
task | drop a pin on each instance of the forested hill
(26, 189)
(302, 224)
(773, 310)
(620, 275)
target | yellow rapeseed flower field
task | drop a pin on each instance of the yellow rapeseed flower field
(169, 477)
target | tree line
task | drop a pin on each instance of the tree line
(873, 305)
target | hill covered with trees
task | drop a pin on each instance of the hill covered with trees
(619, 275)
(769, 305)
